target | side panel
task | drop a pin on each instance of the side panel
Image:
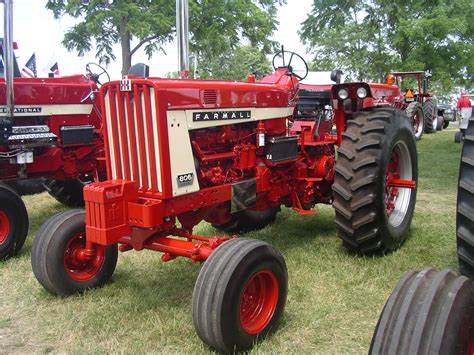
(181, 155)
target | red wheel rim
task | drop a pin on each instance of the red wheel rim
(78, 265)
(4, 227)
(258, 301)
(393, 173)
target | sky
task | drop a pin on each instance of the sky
(36, 31)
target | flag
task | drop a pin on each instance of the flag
(55, 69)
(29, 70)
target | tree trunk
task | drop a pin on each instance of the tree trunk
(125, 43)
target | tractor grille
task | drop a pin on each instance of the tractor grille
(132, 131)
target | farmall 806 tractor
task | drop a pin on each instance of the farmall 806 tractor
(231, 153)
(50, 128)
(432, 311)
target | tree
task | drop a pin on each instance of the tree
(217, 26)
(369, 38)
(244, 60)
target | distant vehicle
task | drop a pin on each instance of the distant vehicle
(446, 114)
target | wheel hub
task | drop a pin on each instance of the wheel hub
(4, 227)
(80, 264)
(393, 173)
(258, 301)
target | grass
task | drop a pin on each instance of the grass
(334, 298)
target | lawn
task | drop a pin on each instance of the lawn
(334, 298)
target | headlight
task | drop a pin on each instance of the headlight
(361, 92)
(343, 94)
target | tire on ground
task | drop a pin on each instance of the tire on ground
(416, 117)
(428, 312)
(431, 115)
(465, 205)
(371, 216)
(440, 123)
(13, 222)
(240, 294)
(68, 192)
(57, 259)
(247, 220)
(457, 137)
(446, 124)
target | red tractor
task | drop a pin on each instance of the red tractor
(432, 311)
(231, 153)
(419, 104)
(50, 128)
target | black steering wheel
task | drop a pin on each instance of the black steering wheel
(286, 58)
(95, 76)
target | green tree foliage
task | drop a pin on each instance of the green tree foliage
(217, 27)
(369, 38)
(244, 60)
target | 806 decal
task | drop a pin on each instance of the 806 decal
(185, 179)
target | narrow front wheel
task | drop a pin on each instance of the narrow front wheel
(239, 295)
(60, 260)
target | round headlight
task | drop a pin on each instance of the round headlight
(361, 92)
(343, 94)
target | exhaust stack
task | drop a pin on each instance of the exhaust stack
(8, 55)
(182, 32)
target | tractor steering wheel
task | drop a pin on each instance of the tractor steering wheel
(286, 58)
(95, 76)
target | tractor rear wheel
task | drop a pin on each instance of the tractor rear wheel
(416, 117)
(375, 181)
(58, 256)
(247, 220)
(68, 192)
(431, 115)
(13, 222)
(429, 312)
(240, 294)
(465, 205)
(27, 187)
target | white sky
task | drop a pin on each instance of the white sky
(36, 30)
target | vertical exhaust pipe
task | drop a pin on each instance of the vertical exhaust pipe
(8, 55)
(182, 32)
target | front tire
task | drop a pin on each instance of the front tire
(239, 295)
(429, 312)
(13, 222)
(440, 123)
(416, 117)
(378, 149)
(465, 205)
(58, 259)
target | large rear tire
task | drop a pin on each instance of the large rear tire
(429, 312)
(13, 222)
(68, 192)
(240, 294)
(465, 205)
(416, 117)
(378, 149)
(248, 220)
(58, 259)
(431, 115)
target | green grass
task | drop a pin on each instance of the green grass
(334, 298)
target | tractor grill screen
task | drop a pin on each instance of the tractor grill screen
(132, 136)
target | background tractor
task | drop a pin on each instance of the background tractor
(50, 128)
(232, 153)
(431, 311)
